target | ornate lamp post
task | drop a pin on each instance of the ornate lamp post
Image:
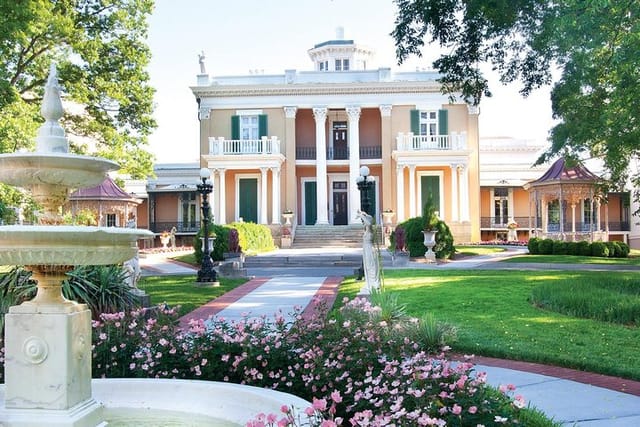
(364, 181)
(206, 274)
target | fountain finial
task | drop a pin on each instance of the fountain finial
(51, 137)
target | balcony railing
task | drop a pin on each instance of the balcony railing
(181, 227)
(552, 227)
(335, 153)
(233, 147)
(411, 142)
(487, 222)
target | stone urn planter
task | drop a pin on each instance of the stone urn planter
(387, 217)
(164, 240)
(429, 243)
(287, 217)
(210, 243)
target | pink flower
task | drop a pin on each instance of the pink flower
(284, 409)
(456, 410)
(328, 423)
(319, 404)
(309, 411)
(335, 396)
(473, 409)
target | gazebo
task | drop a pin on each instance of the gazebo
(112, 205)
(567, 202)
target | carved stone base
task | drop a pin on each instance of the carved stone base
(48, 360)
(86, 414)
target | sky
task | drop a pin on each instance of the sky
(244, 36)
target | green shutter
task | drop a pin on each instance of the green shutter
(443, 122)
(415, 122)
(235, 127)
(310, 206)
(262, 125)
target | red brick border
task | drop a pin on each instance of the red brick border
(325, 296)
(215, 306)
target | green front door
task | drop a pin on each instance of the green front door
(310, 203)
(430, 187)
(248, 200)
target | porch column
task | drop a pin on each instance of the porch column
(412, 191)
(598, 215)
(454, 192)
(399, 193)
(215, 204)
(464, 194)
(353, 113)
(222, 202)
(263, 196)
(320, 116)
(386, 139)
(288, 175)
(275, 195)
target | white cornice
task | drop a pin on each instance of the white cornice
(317, 89)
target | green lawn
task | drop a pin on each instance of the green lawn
(573, 259)
(475, 250)
(494, 318)
(184, 291)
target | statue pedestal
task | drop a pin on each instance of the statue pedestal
(48, 367)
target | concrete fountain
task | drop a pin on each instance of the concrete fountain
(48, 339)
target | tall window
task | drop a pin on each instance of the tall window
(428, 123)
(188, 208)
(249, 127)
(553, 212)
(501, 205)
(342, 65)
(112, 220)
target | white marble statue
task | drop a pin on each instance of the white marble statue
(370, 260)
(201, 59)
(132, 269)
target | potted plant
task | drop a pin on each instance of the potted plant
(287, 215)
(285, 238)
(400, 255)
(165, 237)
(387, 216)
(430, 229)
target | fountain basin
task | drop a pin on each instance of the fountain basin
(59, 169)
(67, 245)
(155, 402)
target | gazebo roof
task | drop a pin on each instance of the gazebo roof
(107, 190)
(559, 172)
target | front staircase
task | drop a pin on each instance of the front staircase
(328, 236)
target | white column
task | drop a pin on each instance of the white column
(412, 191)
(275, 195)
(222, 198)
(354, 162)
(454, 192)
(464, 194)
(400, 193)
(320, 115)
(263, 196)
(213, 198)
(598, 215)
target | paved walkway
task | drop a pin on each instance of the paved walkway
(574, 398)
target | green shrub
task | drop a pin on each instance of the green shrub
(415, 239)
(533, 244)
(104, 288)
(254, 237)
(16, 286)
(613, 249)
(559, 247)
(599, 249)
(219, 245)
(583, 248)
(624, 249)
(545, 247)
(572, 248)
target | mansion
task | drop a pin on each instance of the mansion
(295, 142)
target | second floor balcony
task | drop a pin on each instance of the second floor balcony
(410, 142)
(239, 147)
(335, 153)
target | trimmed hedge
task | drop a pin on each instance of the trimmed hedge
(251, 237)
(539, 246)
(413, 227)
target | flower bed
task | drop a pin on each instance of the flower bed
(361, 367)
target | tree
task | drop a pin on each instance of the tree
(594, 45)
(100, 51)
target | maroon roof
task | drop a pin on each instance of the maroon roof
(560, 172)
(108, 190)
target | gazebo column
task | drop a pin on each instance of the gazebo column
(573, 220)
(598, 215)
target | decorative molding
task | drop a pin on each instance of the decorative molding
(385, 110)
(473, 109)
(381, 88)
(35, 350)
(353, 113)
(320, 114)
(204, 113)
(290, 112)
